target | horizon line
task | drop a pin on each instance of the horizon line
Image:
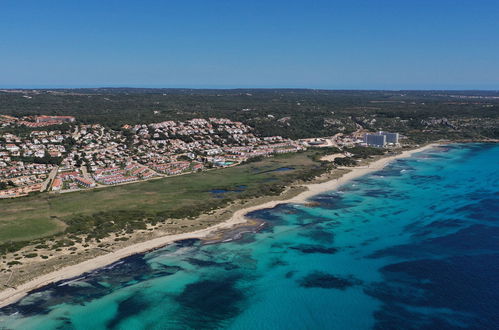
(247, 88)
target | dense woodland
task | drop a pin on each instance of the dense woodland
(294, 113)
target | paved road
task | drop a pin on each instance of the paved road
(86, 175)
(46, 183)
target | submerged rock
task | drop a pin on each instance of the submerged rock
(310, 248)
(324, 280)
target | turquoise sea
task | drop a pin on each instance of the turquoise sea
(413, 246)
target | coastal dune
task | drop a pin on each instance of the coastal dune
(11, 295)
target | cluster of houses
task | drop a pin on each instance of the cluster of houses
(43, 121)
(22, 173)
(87, 156)
(6, 121)
(129, 173)
(25, 160)
(36, 144)
(71, 180)
(177, 167)
(172, 147)
(20, 191)
(35, 121)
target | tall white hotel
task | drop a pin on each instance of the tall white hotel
(381, 139)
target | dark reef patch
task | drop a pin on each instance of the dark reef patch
(66, 323)
(187, 242)
(208, 263)
(395, 317)
(276, 262)
(319, 235)
(461, 284)
(369, 241)
(486, 209)
(279, 245)
(91, 286)
(377, 193)
(426, 178)
(305, 220)
(475, 237)
(323, 280)
(131, 306)
(208, 304)
(310, 248)
(272, 216)
(247, 238)
(435, 227)
(332, 201)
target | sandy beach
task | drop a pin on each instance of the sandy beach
(11, 295)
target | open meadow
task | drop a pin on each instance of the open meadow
(98, 212)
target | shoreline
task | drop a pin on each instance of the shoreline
(11, 295)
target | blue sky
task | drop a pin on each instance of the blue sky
(406, 44)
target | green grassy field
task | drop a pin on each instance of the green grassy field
(45, 214)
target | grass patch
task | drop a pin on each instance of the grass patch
(99, 212)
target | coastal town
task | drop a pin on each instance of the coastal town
(58, 154)
(249, 165)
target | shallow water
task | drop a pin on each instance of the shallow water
(220, 193)
(283, 169)
(415, 245)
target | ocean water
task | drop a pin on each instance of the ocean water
(413, 246)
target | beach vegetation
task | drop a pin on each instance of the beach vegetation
(93, 215)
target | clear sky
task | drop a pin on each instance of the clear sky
(349, 44)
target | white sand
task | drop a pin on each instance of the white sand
(9, 296)
(331, 158)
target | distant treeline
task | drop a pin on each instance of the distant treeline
(293, 113)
